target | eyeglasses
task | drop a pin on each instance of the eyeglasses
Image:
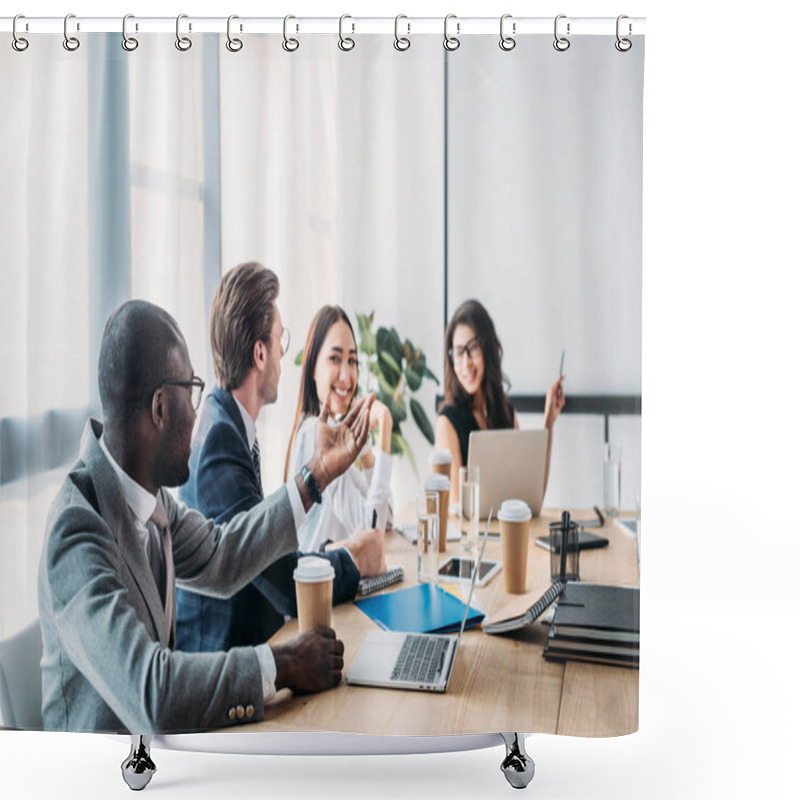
(195, 384)
(472, 349)
(286, 337)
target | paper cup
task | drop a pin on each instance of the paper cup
(441, 461)
(313, 583)
(515, 523)
(440, 484)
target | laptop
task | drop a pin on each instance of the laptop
(511, 464)
(418, 661)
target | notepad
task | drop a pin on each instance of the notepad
(377, 582)
(425, 608)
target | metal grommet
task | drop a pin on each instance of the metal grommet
(289, 44)
(183, 43)
(561, 43)
(401, 43)
(19, 43)
(233, 44)
(71, 43)
(623, 45)
(507, 42)
(128, 42)
(451, 42)
(346, 43)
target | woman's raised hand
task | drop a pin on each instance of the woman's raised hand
(554, 402)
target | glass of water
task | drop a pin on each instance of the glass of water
(470, 507)
(612, 479)
(427, 536)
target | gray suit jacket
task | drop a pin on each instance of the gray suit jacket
(106, 665)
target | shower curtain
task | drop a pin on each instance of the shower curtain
(400, 182)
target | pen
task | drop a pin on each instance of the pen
(561, 368)
(374, 517)
(564, 533)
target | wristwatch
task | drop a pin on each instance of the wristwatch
(311, 484)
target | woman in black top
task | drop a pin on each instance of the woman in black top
(475, 397)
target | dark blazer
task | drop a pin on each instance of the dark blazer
(223, 482)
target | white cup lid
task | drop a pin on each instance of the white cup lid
(312, 569)
(441, 457)
(436, 482)
(514, 511)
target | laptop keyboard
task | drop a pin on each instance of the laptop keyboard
(420, 659)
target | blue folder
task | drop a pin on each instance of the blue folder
(425, 608)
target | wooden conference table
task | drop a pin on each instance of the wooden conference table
(499, 683)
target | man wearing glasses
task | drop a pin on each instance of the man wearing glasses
(117, 542)
(248, 341)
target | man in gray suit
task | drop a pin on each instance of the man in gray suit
(116, 543)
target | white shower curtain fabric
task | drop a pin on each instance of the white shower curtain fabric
(397, 182)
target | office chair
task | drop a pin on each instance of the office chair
(21, 679)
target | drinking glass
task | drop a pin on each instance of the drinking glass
(469, 507)
(427, 536)
(612, 479)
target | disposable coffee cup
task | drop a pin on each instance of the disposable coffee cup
(441, 484)
(441, 461)
(515, 523)
(313, 583)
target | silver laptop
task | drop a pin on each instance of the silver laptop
(420, 661)
(511, 463)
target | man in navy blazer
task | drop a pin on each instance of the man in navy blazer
(247, 344)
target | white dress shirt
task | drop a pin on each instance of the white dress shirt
(349, 501)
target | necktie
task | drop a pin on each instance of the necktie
(256, 453)
(161, 560)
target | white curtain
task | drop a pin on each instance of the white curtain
(332, 175)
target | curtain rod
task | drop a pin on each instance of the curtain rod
(459, 26)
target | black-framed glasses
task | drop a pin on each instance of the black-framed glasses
(472, 349)
(195, 384)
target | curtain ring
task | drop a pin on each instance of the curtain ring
(401, 43)
(507, 42)
(183, 43)
(623, 45)
(128, 42)
(561, 43)
(451, 42)
(289, 45)
(18, 42)
(346, 42)
(71, 43)
(233, 44)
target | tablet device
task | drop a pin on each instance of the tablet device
(457, 567)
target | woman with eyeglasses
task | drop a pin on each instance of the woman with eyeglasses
(360, 498)
(474, 391)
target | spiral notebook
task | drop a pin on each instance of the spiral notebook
(378, 582)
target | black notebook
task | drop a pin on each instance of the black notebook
(596, 623)
(592, 605)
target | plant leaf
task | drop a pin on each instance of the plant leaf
(389, 367)
(298, 360)
(421, 418)
(428, 374)
(413, 378)
(398, 411)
